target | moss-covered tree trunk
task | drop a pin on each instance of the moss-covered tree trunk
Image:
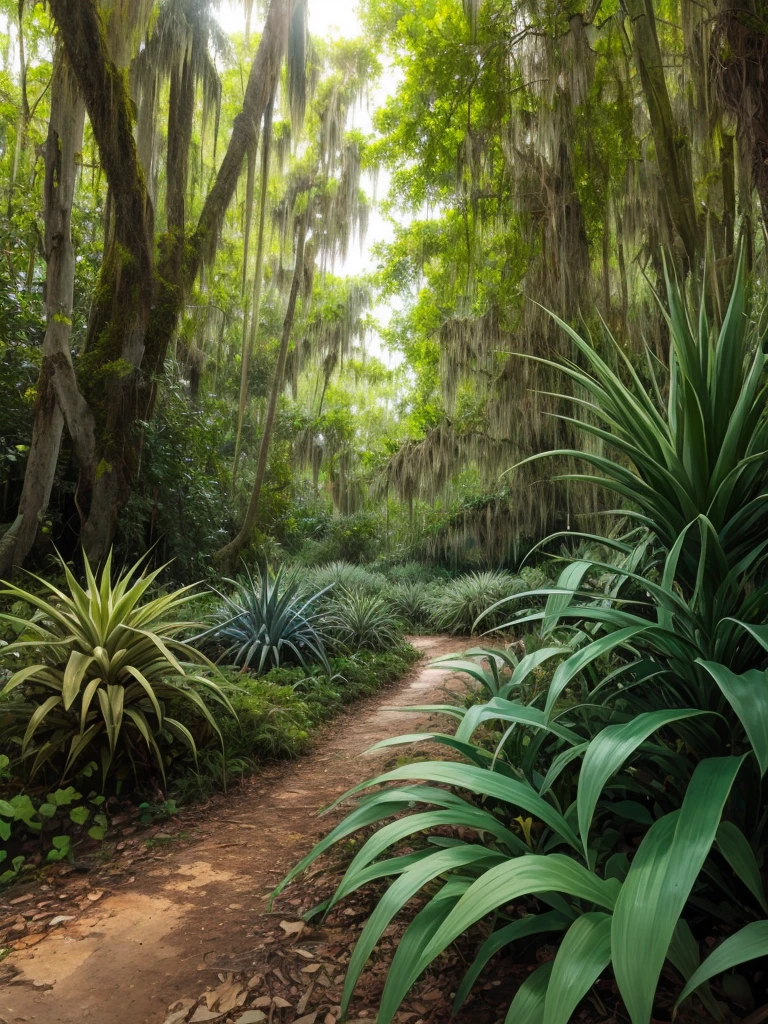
(136, 309)
(57, 393)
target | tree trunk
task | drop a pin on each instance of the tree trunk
(228, 554)
(57, 376)
(738, 61)
(250, 340)
(673, 154)
(108, 373)
(261, 87)
(135, 309)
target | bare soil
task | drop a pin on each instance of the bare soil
(181, 908)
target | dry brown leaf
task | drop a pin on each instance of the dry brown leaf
(293, 927)
(182, 1004)
(255, 980)
(305, 953)
(178, 1017)
(262, 1001)
(329, 1019)
(205, 1016)
(281, 1003)
(95, 895)
(310, 1018)
(311, 968)
(304, 1001)
(251, 1017)
(229, 994)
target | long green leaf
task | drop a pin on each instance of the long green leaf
(660, 880)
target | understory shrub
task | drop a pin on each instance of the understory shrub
(359, 621)
(344, 576)
(267, 621)
(457, 605)
(411, 603)
(620, 808)
(98, 672)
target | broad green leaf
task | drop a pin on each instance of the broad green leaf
(531, 924)
(398, 895)
(402, 974)
(481, 781)
(660, 879)
(523, 876)
(583, 955)
(608, 751)
(747, 944)
(733, 845)
(528, 1005)
(748, 696)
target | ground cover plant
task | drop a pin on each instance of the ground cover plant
(621, 811)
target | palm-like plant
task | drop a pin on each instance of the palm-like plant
(652, 736)
(346, 576)
(363, 622)
(268, 621)
(107, 662)
(411, 602)
(458, 605)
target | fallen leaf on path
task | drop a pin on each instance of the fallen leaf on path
(262, 1001)
(310, 1018)
(227, 996)
(96, 895)
(281, 1003)
(304, 1001)
(293, 927)
(310, 968)
(255, 980)
(182, 1004)
(305, 953)
(251, 1017)
(178, 1017)
(60, 919)
(204, 1016)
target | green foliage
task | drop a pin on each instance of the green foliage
(458, 605)
(412, 603)
(360, 621)
(621, 806)
(105, 663)
(267, 622)
(278, 714)
(22, 817)
(344, 576)
(181, 502)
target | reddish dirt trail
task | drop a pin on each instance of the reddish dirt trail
(196, 908)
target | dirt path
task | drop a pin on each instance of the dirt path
(196, 908)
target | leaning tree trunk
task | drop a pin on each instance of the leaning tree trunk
(201, 245)
(56, 386)
(249, 339)
(673, 154)
(227, 556)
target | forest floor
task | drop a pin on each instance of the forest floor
(175, 926)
